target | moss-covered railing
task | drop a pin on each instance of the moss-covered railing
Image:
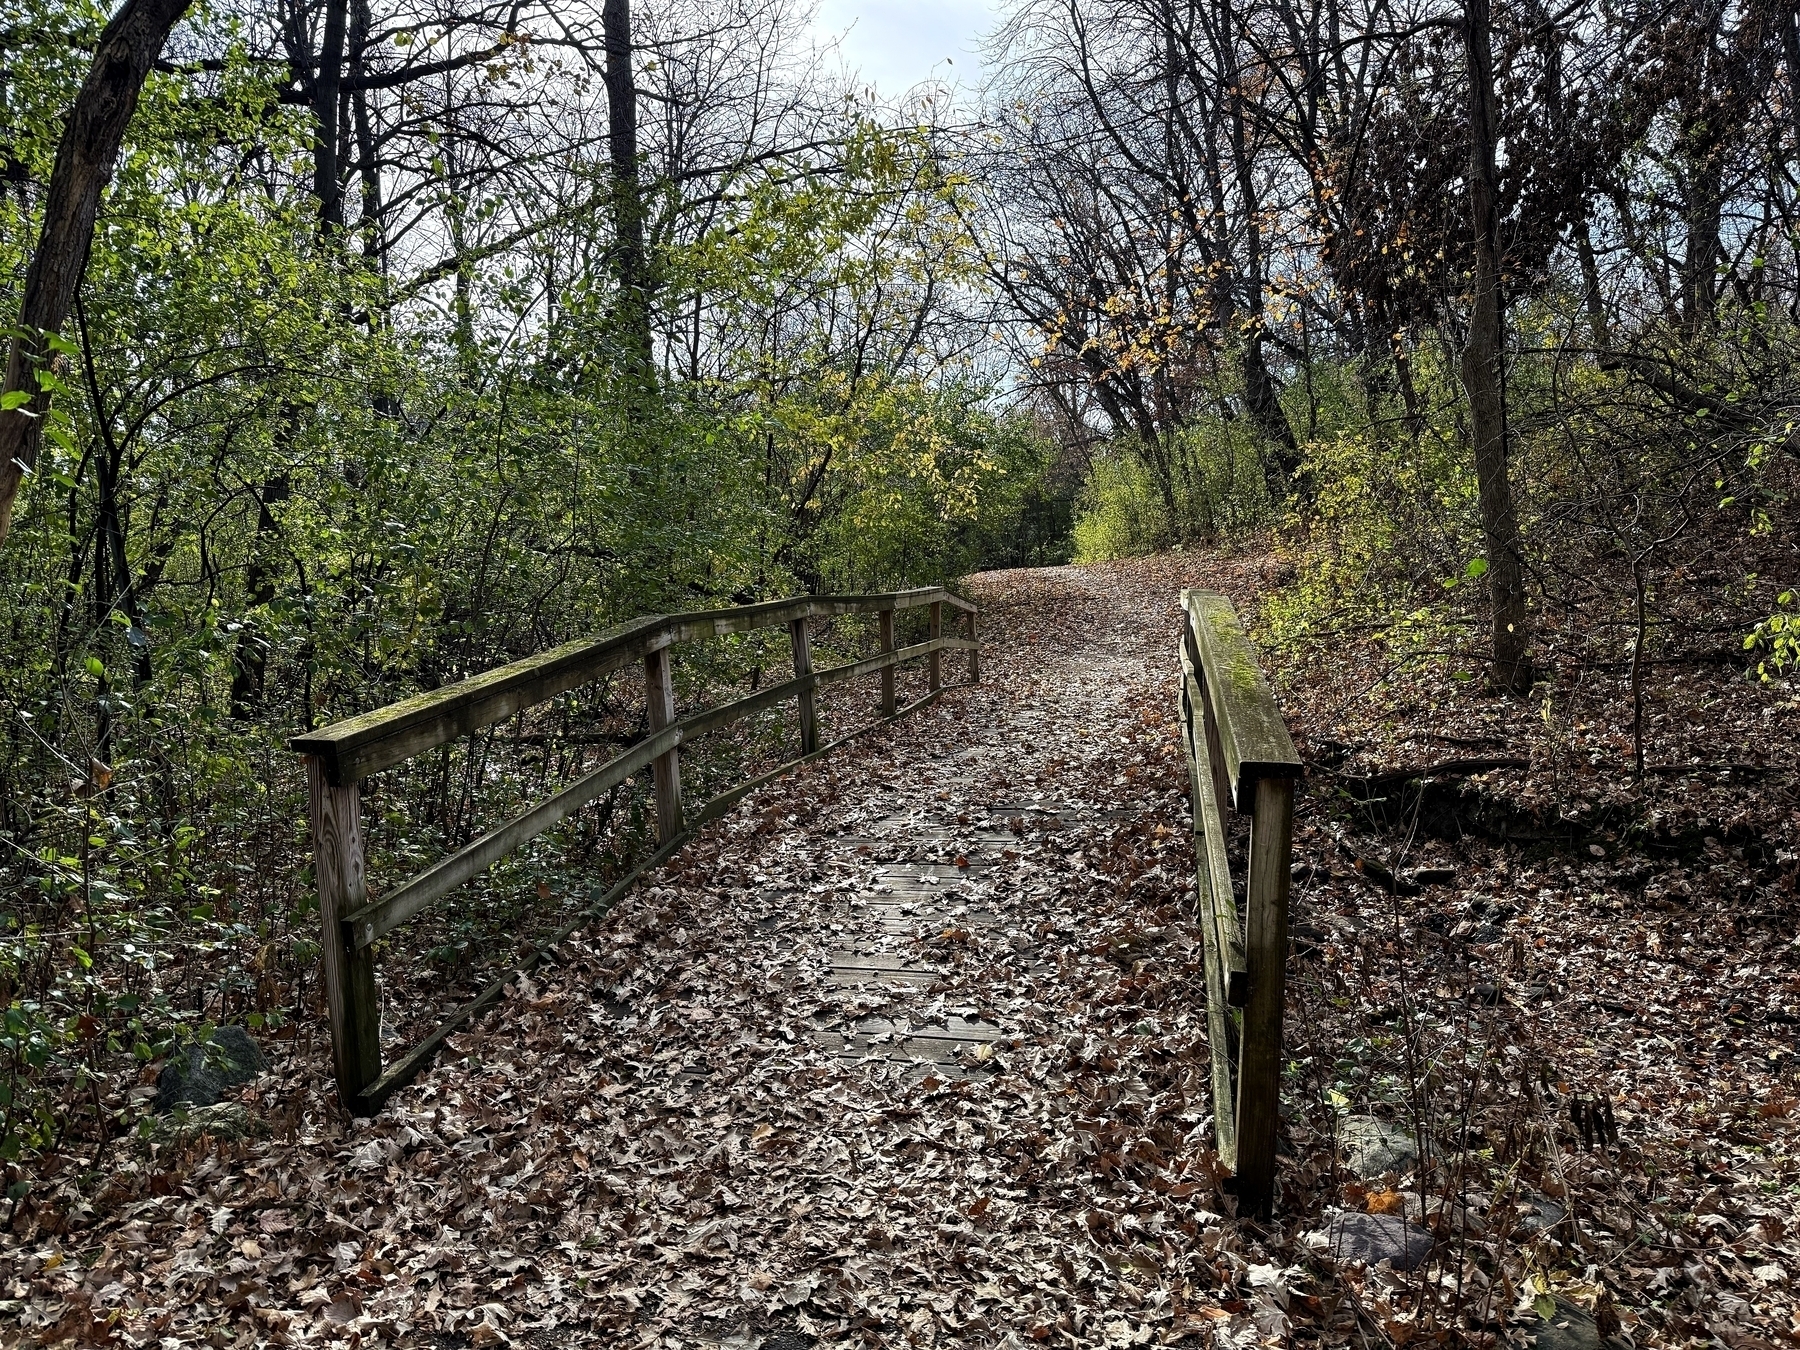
(1239, 756)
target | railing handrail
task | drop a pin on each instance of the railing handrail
(1239, 754)
(340, 756)
(352, 749)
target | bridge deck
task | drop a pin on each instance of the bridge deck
(908, 1049)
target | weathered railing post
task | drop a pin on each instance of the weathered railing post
(886, 618)
(1265, 959)
(809, 699)
(974, 652)
(659, 697)
(937, 658)
(351, 1002)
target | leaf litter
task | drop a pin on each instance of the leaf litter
(683, 1131)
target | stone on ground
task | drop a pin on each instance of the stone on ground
(199, 1072)
(1374, 1238)
(1373, 1148)
(1571, 1327)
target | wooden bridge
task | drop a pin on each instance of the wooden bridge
(931, 860)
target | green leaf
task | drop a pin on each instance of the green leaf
(1545, 1306)
(95, 667)
(1477, 568)
(18, 398)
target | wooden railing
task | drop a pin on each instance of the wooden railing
(340, 756)
(1239, 753)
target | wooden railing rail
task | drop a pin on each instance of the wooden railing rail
(1240, 754)
(340, 756)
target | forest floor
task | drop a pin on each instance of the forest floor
(694, 1129)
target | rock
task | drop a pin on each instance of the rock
(222, 1120)
(1570, 1327)
(198, 1073)
(1373, 1148)
(1374, 1238)
(1538, 1212)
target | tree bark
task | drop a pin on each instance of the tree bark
(1262, 394)
(1484, 375)
(327, 86)
(632, 258)
(85, 158)
(374, 245)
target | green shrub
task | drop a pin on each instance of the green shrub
(1209, 485)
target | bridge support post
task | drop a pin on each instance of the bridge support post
(974, 652)
(659, 698)
(888, 703)
(352, 1005)
(937, 658)
(809, 698)
(1265, 958)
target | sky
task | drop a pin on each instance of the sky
(896, 45)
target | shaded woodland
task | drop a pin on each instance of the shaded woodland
(357, 348)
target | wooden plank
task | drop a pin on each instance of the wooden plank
(1206, 723)
(1266, 943)
(659, 698)
(1252, 736)
(377, 918)
(937, 633)
(801, 644)
(886, 620)
(1217, 902)
(353, 749)
(974, 648)
(351, 1003)
(1221, 1028)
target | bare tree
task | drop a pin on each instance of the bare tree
(1484, 373)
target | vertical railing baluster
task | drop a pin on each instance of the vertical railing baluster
(659, 698)
(809, 698)
(351, 1002)
(888, 703)
(1265, 953)
(937, 658)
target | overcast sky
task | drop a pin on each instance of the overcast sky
(896, 44)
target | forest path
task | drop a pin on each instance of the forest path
(814, 1079)
(945, 900)
(909, 1048)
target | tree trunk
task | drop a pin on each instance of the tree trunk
(250, 654)
(1590, 284)
(1484, 375)
(633, 272)
(1790, 55)
(374, 245)
(1261, 393)
(84, 166)
(327, 84)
